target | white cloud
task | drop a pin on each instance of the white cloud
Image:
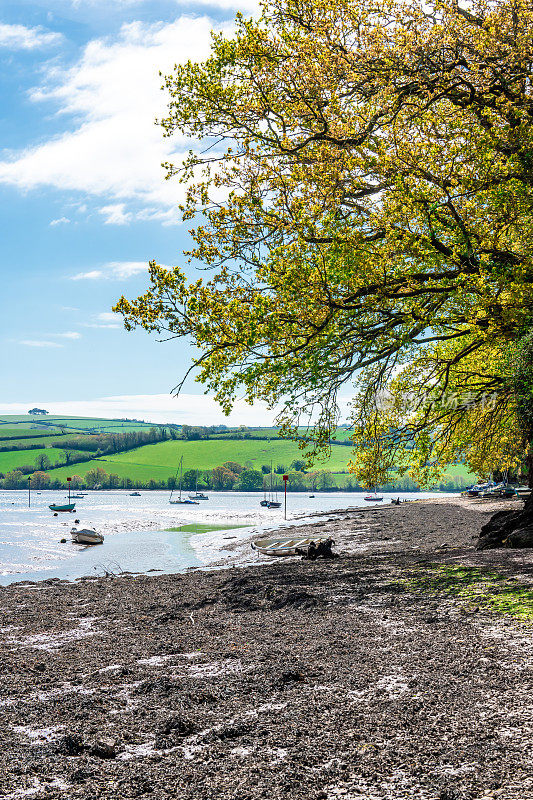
(39, 343)
(114, 92)
(195, 409)
(189, 409)
(67, 335)
(104, 320)
(93, 275)
(19, 37)
(60, 221)
(115, 215)
(113, 270)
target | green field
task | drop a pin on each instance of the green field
(7, 433)
(78, 424)
(160, 461)
(20, 458)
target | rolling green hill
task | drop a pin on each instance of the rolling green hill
(18, 458)
(250, 447)
(160, 461)
(24, 422)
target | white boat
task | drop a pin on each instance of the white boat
(180, 501)
(198, 495)
(86, 536)
(373, 498)
(284, 545)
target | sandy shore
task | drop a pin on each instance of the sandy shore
(353, 679)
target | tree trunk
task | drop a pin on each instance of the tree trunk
(509, 528)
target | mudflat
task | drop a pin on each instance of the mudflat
(400, 670)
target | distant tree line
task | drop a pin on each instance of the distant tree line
(229, 476)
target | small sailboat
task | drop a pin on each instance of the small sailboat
(270, 502)
(135, 494)
(264, 501)
(198, 495)
(66, 507)
(373, 497)
(180, 501)
(86, 536)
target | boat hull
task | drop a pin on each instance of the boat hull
(86, 536)
(284, 546)
(68, 507)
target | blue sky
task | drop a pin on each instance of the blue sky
(84, 205)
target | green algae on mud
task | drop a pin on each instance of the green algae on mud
(474, 588)
(203, 527)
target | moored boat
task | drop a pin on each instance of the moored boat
(135, 494)
(86, 536)
(67, 507)
(181, 502)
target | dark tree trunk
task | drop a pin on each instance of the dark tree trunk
(509, 528)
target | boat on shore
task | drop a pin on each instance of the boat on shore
(86, 536)
(66, 507)
(284, 545)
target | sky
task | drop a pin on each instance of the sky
(84, 205)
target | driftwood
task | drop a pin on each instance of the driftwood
(320, 550)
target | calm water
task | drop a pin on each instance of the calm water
(134, 529)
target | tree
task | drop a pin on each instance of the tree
(189, 479)
(233, 466)
(375, 160)
(40, 480)
(96, 477)
(250, 480)
(43, 462)
(298, 465)
(296, 481)
(14, 479)
(223, 478)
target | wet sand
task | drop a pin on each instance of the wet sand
(292, 679)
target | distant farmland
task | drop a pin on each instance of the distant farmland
(160, 461)
(139, 464)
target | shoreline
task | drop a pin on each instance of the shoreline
(353, 529)
(382, 674)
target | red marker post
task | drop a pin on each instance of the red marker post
(285, 479)
(69, 480)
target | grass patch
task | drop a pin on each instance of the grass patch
(203, 527)
(474, 588)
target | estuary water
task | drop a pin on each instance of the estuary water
(136, 532)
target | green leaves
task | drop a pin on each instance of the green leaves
(363, 193)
